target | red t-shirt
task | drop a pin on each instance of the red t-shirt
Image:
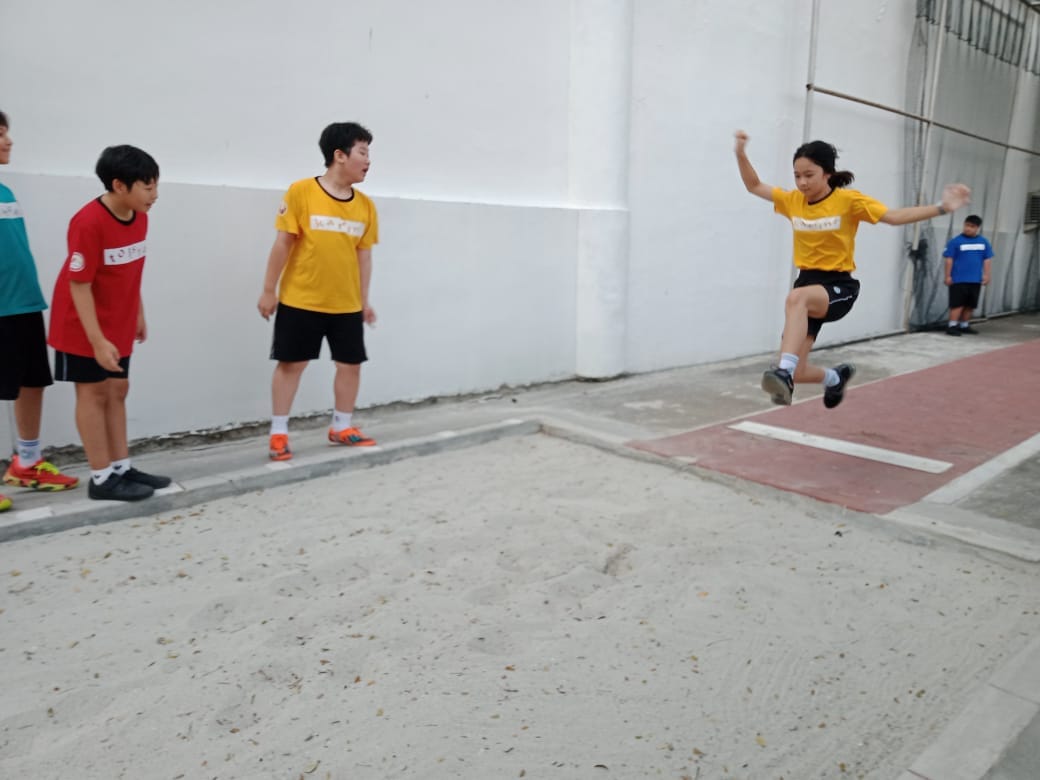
(109, 254)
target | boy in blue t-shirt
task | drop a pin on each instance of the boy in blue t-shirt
(967, 258)
(26, 368)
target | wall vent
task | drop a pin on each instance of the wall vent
(1032, 219)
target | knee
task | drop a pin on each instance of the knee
(119, 389)
(92, 394)
(291, 369)
(795, 301)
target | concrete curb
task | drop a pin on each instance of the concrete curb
(48, 519)
(977, 739)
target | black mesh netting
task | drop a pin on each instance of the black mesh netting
(983, 100)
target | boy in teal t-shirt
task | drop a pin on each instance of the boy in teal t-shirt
(26, 369)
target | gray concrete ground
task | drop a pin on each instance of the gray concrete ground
(995, 737)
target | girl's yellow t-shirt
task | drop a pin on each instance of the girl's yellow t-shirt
(825, 232)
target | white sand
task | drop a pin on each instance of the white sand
(530, 608)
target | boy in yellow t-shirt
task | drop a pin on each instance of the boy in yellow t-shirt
(321, 266)
(825, 216)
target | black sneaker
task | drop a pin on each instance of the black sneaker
(779, 383)
(143, 478)
(953, 330)
(832, 396)
(115, 488)
(970, 330)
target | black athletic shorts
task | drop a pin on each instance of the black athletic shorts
(76, 368)
(964, 294)
(25, 354)
(842, 292)
(298, 334)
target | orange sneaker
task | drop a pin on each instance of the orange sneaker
(351, 437)
(5, 503)
(41, 475)
(280, 447)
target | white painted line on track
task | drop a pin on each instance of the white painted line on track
(890, 457)
(956, 489)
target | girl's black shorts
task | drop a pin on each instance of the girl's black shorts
(842, 292)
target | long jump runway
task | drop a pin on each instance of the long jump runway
(891, 442)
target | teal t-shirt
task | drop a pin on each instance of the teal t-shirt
(19, 285)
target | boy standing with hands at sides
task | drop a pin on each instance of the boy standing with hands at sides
(26, 370)
(317, 281)
(97, 314)
(825, 216)
(967, 258)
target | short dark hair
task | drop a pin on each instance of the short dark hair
(826, 156)
(3, 120)
(974, 219)
(342, 136)
(126, 163)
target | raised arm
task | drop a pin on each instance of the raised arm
(752, 183)
(954, 196)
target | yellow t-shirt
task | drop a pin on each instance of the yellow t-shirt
(322, 273)
(825, 232)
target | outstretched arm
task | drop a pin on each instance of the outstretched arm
(752, 183)
(954, 196)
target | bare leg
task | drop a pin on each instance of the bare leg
(801, 304)
(28, 411)
(806, 372)
(345, 386)
(91, 422)
(956, 315)
(115, 420)
(284, 384)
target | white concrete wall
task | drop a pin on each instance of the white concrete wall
(494, 141)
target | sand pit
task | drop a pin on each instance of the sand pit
(529, 608)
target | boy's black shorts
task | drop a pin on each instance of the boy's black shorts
(76, 368)
(964, 294)
(25, 354)
(298, 334)
(842, 292)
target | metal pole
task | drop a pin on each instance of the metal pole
(908, 278)
(930, 115)
(810, 81)
(922, 119)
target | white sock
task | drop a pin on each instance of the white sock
(830, 377)
(97, 477)
(965, 323)
(954, 323)
(788, 362)
(121, 466)
(29, 451)
(341, 420)
(279, 424)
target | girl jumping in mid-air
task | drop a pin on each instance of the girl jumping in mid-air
(825, 216)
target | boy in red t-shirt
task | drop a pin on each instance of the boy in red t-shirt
(97, 314)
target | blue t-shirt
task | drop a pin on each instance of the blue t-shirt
(969, 255)
(19, 285)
